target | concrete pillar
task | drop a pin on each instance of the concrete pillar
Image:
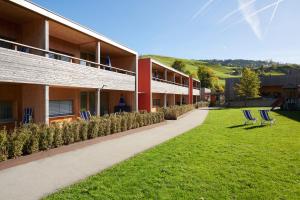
(181, 80)
(46, 37)
(98, 53)
(181, 99)
(165, 100)
(46, 97)
(98, 99)
(166, 74)
(174, 99)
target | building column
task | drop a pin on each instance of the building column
(136, 94)
(98, 53)
(181, 99)
(98, 99)
(46, 37)
(166, 74)
(165, 100)
(46, 98)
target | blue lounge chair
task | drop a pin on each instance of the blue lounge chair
(27, 118)
(249, 117)
(85, 115)
(265, 117)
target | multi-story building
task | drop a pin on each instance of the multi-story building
(57, 67)
(163, 86)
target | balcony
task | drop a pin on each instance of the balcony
(21, 63)
(196, 91)
(168, 87)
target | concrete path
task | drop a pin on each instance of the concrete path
(41, 177)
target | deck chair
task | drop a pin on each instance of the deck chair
(265, 117)
(27, 118)
(85, 115)
(249, 117)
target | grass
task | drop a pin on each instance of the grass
(221, 159)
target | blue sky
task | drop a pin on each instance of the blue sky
(199, 29)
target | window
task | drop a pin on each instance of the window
(6, 111)
(60, 108)
(60, 57)
(156, 102)
(83, 101)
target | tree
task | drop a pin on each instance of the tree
(179, 65)
(206, 77)
(249, 84)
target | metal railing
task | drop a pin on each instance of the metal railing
(170, 82)
(58, 56)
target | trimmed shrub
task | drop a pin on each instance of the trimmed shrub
(3, 145)
(33, 134)
(84, 128)
(57, 137)
(17, 142)
(124, 120)
(201, 104)
(173, 112)
(75, 129)
(93, 129)
(67, 133)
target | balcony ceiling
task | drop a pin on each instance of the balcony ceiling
(70, 35)
(15, 14)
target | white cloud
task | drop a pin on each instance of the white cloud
(237, 10)
(202, 9)
(252, 20)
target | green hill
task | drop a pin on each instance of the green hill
(227, 68)
(192, 66)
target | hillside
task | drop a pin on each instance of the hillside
(192, 66)
(228, 68)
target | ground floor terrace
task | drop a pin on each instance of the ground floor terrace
(56, 104)
(162, 100)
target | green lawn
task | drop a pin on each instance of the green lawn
(219, 160)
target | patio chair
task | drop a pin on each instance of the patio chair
(85, 115)
(265, 117)
(249, 117)
(27, 118)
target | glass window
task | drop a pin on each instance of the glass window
(83, 101)
(60, 108)
(92, 102)
(6, 111)
(156, 102)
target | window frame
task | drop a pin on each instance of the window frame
(61, 114)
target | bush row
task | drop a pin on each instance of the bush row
(31, 138)
(173, 112)
(201, 104)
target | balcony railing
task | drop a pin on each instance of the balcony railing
(58, 56)
(170, 82)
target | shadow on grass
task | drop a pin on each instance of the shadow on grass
(294, 115)
(237, 126)
(255, 127)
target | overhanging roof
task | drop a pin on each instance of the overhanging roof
(58, 18)
(167, 67)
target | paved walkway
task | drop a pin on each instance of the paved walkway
(41, 177)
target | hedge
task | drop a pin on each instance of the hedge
(31, 138)
(201, 104)
(173, 112)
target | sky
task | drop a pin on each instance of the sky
(195, 29)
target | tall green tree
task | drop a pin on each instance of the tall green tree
(206, 77)
(179, 65)
(249, 84)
